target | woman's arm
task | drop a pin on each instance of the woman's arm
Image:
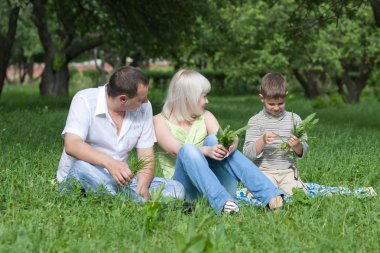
(165, 138)
(217, 152)
(211, 122)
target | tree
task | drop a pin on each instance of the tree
(64, 33)
(7, 36)
(68, 28)
(348, 33)
(27, 48)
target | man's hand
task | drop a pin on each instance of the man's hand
(119, 171)
(143, 191)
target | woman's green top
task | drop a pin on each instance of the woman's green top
(196, 136)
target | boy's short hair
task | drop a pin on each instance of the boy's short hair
(273, 85)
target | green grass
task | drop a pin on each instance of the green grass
(35, 217)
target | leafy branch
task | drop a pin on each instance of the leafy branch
(227, 136)
(136, 164)
(299, 131)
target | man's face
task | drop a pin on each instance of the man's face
(274, 106)
(132, 104)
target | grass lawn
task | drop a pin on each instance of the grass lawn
(35, 217)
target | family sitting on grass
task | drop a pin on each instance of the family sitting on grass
(104, 124)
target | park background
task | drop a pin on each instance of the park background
(328, 50)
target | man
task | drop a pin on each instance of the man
(103, 125)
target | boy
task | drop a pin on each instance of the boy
(269, 128)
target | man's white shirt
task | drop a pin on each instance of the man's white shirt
(89, 119)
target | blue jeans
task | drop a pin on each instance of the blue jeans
(95, 178)
(217, 180)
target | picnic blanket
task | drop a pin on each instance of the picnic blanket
(313, 190)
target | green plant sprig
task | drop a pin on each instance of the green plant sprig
(226, 136)
(307, 124)
(136, 164)
(299, 131)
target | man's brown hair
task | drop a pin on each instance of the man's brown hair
(125, 81)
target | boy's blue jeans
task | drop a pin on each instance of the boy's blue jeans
(217, 180)
(94, 178)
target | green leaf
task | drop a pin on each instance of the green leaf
(227, 136)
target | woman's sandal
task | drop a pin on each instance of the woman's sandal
(231, 207)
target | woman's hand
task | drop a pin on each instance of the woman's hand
(216, 152)
(233, 146)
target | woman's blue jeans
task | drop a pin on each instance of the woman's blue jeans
(95, 178)
(217, 180)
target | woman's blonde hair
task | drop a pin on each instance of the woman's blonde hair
(183, 95)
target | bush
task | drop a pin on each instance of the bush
(335, 100)
(161, 79)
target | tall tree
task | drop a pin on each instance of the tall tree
(64, 35)
(7, 37)
(68, 28)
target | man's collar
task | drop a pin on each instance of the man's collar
(101, 105)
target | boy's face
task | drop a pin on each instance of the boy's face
(274, 106)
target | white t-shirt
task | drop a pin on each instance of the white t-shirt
(89, 119)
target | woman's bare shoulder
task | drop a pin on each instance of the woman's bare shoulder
(208, 115)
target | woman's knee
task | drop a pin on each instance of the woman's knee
(210, 140)
(189, 151)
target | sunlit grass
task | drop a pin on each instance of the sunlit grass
(35, 217)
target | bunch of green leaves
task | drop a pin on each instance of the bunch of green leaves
(136, 164)
(299, 131)
(308, 123)
(226, 136)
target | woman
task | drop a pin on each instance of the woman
(186, 132)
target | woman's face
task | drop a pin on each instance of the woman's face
(203, 101)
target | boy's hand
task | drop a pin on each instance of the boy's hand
(269, 137)
(293, 141)
(295, 144)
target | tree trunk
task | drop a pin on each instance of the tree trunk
(55, 77)
(30, 70)
(375, 4)
(311, 81)
(55, 82)
(6, 43)
(354, 78)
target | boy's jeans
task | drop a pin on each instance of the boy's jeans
(94, 178)
(217, 180)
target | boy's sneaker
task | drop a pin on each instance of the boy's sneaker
(231, 207)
